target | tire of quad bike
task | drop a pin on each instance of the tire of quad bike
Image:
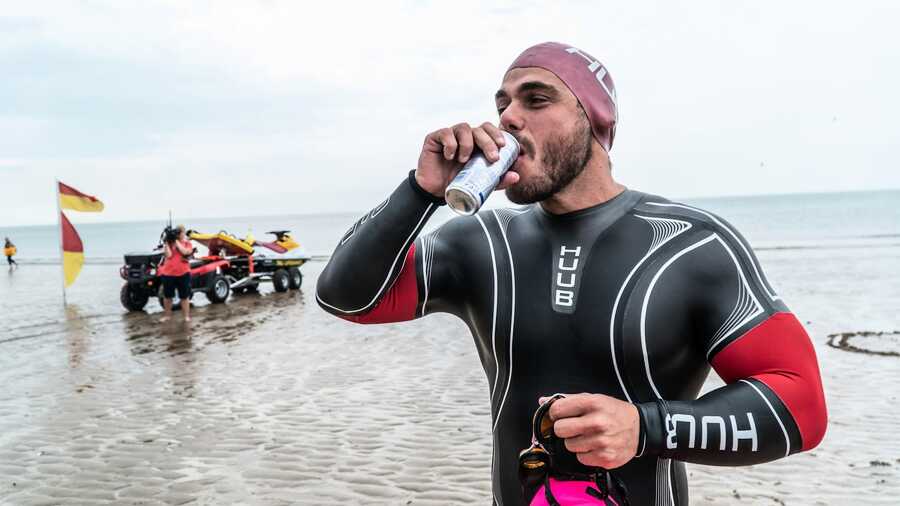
(176, 301)
(133, 300)
(295, 278)
(219, 289)
(281, 280)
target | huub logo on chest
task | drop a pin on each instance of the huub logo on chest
(566, 276)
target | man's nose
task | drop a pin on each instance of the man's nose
(512, 120)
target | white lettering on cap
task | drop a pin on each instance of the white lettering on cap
(599, 71)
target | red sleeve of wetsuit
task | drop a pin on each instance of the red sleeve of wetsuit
(400, 301)
(371, 276)
(779, 353)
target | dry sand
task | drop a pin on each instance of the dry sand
(268, 400)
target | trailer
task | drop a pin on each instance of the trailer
(247, 268)
(232, 266)
(247, 272)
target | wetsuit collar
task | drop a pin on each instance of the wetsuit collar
(587, 210)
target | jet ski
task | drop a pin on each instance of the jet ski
(282, 244)
(247, 268)
(222, 243)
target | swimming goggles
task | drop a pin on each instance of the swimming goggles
(537, 465)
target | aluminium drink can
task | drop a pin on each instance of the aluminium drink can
(478, 178)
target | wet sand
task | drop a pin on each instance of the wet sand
(268, 400)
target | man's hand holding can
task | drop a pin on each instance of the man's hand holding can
(446, 150)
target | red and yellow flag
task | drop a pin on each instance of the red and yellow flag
(70, 198)
(73, 250)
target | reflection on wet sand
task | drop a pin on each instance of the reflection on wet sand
(212, 323)
(268, 400)
(77, 334)
(147, 413)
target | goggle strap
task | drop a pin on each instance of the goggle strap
(548, 495)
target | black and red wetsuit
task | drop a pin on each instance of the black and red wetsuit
(634, 298)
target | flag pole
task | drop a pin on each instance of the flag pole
(62, 260)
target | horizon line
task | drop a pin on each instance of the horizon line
(707, 197)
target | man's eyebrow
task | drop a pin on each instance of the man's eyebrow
(530, 86)
(538, 86)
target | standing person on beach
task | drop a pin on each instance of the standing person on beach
(175, 272)
(9, 249)
(619, 299)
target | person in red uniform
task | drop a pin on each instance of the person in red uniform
(621, 299)
(175, 272)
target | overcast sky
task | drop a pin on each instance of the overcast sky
(269, 107)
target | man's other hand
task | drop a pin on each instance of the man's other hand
(601, 430)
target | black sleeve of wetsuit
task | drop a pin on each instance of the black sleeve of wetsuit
(370, 256)
(739, 424)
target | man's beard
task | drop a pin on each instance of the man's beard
(563, 159)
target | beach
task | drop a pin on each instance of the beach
(661, 144)
(267, 399)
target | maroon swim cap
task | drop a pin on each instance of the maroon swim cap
(586, 78)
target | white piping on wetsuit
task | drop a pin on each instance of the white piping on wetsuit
(494, 328)
(487, 235)
(512, 317)
(787, 440)
(681, 227)
(664, 489)
(493, 340)
(428, 248)
(403, 250)
(743, 311)
(664, 493)
(647, 300)
(757, 270)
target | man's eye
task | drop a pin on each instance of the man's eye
(501, 108)
(537, 100)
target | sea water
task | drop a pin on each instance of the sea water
(806, 234)
(772, 221)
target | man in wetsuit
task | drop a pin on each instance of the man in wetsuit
(621, 299)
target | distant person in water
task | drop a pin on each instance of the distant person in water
(9, 249)
(175, 271)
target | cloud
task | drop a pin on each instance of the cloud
(270, 107)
